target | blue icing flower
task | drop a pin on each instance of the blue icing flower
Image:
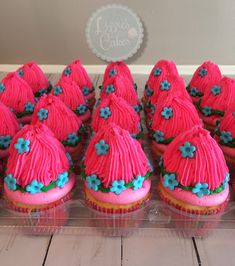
(138, 182)
(105, 112)
(5, 141)
(201, 189)
(81, 109)
(42, 91)
(57, 90)
(110, 89)
(137, 108)
(157, 71)
(73, 138)
(93, 182)
(148, 91)
(207, 111)
(62, 179)
(153, 108)
(165, 85)
(117, 187)
(170, 181)
(226, 137)
(158, 136)
(187, 150)
(202, 72)
(10, 181)
(69, 158)
(67, 71)
(29, 107)
(193, 91)
(2, 87)
(85, 91)
(226, 179)
(22, 145)
(34, 187)
(42, 114)
(112, 72)
(20, 72)
(101, 147)
(167, 112)
(215, 90)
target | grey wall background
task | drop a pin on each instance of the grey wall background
(53, 31)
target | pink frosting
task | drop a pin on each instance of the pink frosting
(124, 160)
(227, 123)
(184, 117)
(57, 111)
(128, 196)
(208, 164)
(34, 76)
(17, 93)
(122, 114)
(44, 161)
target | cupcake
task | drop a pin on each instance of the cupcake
(63, 122)
(194, 175)
(35, 77)
(70, 94)
(38, 174)
(116, 110)
(116, 172)
(203, 78)
(8, 128)
(215, 101)
(77, 73)
(18, 96)
(174, 114)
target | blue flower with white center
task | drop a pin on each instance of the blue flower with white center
(193, 91)
(62, 179)
(110, 89)
(207, 111)
(22, 145)
(102, 147)
(201, 189)
(20, 72)
(170, 181)
(167, 112)
(158, 136)
(226, 179)
(73, 138)
(69, 159)
(85, 91)
(2, 87)
(57, 90)
(81, 109)
(138, 182)
(226, 137)
(165, 85)
(10, 181)
(42, 114)
(148, 91)
(215, 90)
(187, 150)
(105, 112)
(29, 107)
(153, 108)
(93, 182)
(67, 71)
(137, 108)
(112, 72)
(35, 187)
(117, 187)
(5, 141)
(157, 71)
(42, 91)
(202, 72)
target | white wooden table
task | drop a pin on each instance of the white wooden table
(164, 247)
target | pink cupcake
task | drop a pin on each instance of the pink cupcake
(116, 172)
(8, 128)
(38, 174)
(203, 78)
(70, 94)
(17, 95)
(77, 73)
(215, 101)
(35, 77)
(194, 175)
(63, 122)
(116, 110)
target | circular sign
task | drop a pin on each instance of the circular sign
(114, 33)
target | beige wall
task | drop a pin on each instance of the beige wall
(52, 31)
